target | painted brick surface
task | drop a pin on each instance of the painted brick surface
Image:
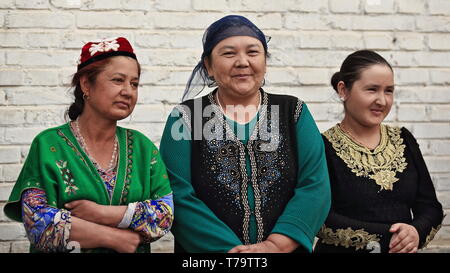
(40, 42)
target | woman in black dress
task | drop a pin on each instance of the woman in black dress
(383, 199)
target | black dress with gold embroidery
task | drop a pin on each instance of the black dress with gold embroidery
(373, 189)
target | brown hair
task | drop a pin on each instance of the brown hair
(91, 71)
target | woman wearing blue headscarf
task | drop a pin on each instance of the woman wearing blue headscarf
(247, 168)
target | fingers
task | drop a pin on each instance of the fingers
(238, 249)
(395, 227)
(408, 248)
(397, 238)
(72, 204)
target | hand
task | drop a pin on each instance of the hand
(275, 243)
(87, 210)
(99, 214)
(126, 241)
(404, 240)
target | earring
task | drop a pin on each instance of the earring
(85, 97)
(212, 82)
(263, 82)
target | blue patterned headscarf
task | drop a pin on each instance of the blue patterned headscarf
(228, 26)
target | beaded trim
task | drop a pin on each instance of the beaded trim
(61, 134)
(348, 237)
(242, 163)
(128, 169)
(298, 109)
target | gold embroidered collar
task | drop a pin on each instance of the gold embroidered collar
(381, 165)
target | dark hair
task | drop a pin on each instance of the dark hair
(91, 71)
(353, 65)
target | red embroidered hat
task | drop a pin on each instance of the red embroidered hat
(102, 49)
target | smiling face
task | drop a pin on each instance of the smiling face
(238, 65)
(114, 93)
(370, 99)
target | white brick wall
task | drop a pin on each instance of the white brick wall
(40, 42)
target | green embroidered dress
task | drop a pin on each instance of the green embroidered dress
(57, 165)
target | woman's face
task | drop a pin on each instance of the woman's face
(371, 97)
(114, 94)
(238, 65)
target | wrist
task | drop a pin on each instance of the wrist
(283, 242)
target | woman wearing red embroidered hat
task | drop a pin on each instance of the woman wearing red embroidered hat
(89, 184)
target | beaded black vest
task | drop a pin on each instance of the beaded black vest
(218, 161)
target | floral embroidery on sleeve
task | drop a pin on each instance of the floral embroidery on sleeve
(153, 218)
(47, 228)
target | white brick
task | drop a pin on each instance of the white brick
(326, 111)
(159, 94)
(76, 40)
(45, 115)
(174, 5)
(266, 21)
(207, 5)
(101, 5)
(440, 113)
(276, 76)
(412, 112)
(431, 130)
(411, 76)
(20, 247)
(5, 247)
(305, 22)
(441, 182)
(11, 77)
(184, 20)
(439, 41)
(40, 20)
(433, 59)
(383, 23)
(423, 94)
(411, 6)
(2, 97)
(441, 76)
(439, 7)
(169, 57)
(32, 4)
(11, 116)
(41, 58)
(410, 41)
(315, 40)
(348, 6)
(285, 40)
(377, 40)
(66, 4)
(43, 39)
(10, 172)
(41, 77)
(9, 154)
(153, 40)
(308, 58)
(336, 22)
(438, 147)
(11, 39)
(112, 20)
(438, 164)
(12, 231)
(6, 4)
(38, 96)
(313, 76)
(305, 6)
(433, 24)
(444, 198)
(347, 40)
(137, 5)
(379, 6)
(149, 113)
(20, 136)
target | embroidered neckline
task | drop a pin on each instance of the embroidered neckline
(381, 165)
